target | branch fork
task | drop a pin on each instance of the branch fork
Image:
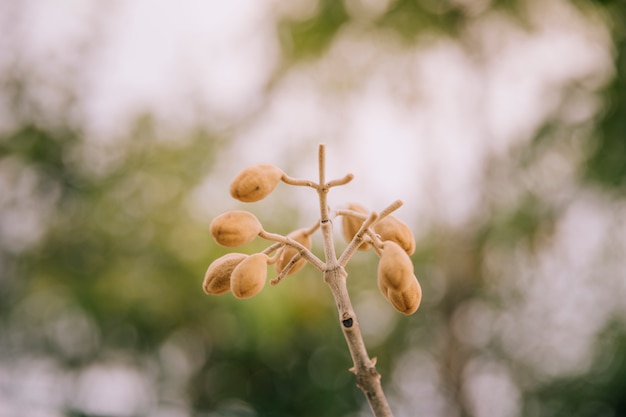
(379, 230)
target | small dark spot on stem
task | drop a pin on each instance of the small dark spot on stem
(347, 322)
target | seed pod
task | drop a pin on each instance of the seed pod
(235, 228)
(255, 183)
(395, 269)
(217, 277)
(286, 253)
(407, 301)
(391, 228)
(351, 225)
(248, 278)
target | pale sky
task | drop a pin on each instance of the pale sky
(411, 122)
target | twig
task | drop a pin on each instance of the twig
(367, 377)
(286, 269)
(357, 239)
(303, 250)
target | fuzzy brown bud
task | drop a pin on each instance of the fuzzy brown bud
(350, 225)
(255, 183)
(394, 229)
(217, 277)
(249, 277)
(395, 269)
(235, 228)
(406, 301)
(286, 253)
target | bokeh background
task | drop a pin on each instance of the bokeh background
(501, 124)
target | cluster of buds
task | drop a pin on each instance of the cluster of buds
(393, 241)
(246, 275)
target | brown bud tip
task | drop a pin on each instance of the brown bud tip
(407, 301)
(217, 277)
(395, 269)
(351, 225)
(286, 253)
(249, 277)
(255, 183)
(235, 228)
(391, 228)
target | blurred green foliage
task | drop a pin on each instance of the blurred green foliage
(606, 160)
(120, 262)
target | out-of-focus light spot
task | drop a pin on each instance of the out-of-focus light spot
(24, 208)
(74, 334)
(568, 295)
(32, 386)
(472, 324)
(376, 317)
(490, 390)
(113, 390)
(417, 387)
(182, 354)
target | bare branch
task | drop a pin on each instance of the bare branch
(367, 377)
(304, 251)
(272, 248)
(357, 239)
(390, 209)
(340, 181)
(312, 229)
(321, 160)
(297, 181)
(286, 269)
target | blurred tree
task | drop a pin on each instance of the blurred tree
(101, 260)
(606, 164)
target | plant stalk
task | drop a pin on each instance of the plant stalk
(367, 377)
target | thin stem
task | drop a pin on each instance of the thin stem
(367, 377)
(297, 181)
(272, 248)
(321, 163)
(357, 239)
(340, 181)
(390, 209)
(377, 244)
(384, 213)
(304, 251)
(286, 269)
(365, 229)
(322, 189)
(312, 229)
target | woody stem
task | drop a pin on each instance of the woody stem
(367, 377)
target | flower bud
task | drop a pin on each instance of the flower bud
(217, 277)
(286, 253)
(235, 228)
(406, 301)
(351, 225)
(248, 278)
(391, 228)
(255, 183)
(395, 269)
